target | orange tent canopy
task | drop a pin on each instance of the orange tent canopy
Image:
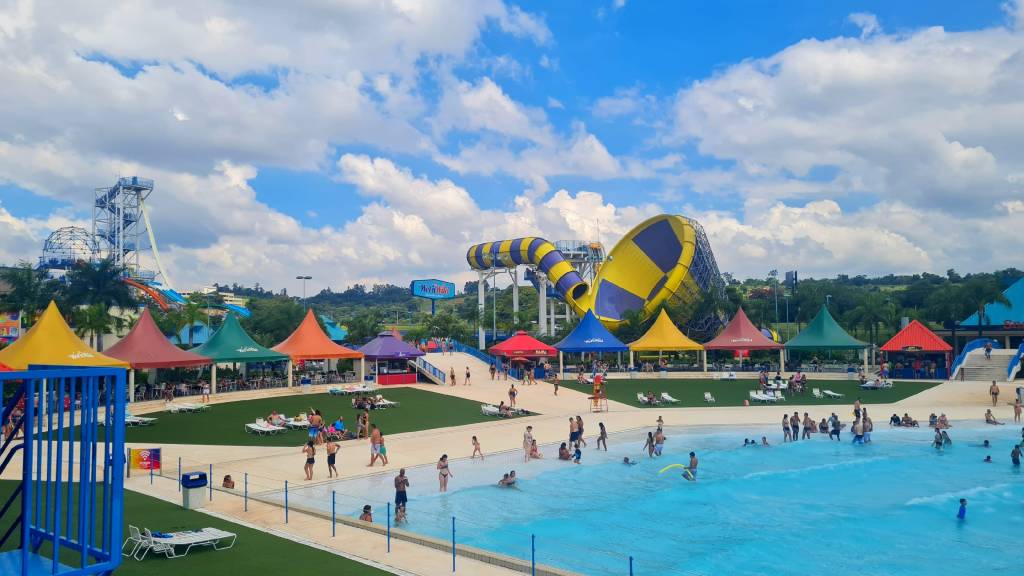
(308, 342)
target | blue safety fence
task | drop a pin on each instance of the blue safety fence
(1014, 367)
(432, 370)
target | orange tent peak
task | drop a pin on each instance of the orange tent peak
(308, 342)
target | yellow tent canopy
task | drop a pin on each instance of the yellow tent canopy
(52, 343)
(663, 335)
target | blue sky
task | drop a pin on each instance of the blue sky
(272, 134)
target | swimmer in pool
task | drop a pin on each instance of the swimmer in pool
(692, 468)
(988, 459)
(628, 462)
(764, 441)
(962, 513)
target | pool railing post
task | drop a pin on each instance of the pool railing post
(334, 517)
(389, 527)
(209, 480)
(533, 555)
(285, 501)
(630, 566)
(179, 473)
(150, 473)
(453, 543)
(245, 497)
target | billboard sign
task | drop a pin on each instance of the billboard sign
(10, 326)
(433, 289)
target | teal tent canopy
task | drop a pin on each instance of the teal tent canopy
(824, 333)
(231, 344)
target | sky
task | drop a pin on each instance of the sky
(374, 141)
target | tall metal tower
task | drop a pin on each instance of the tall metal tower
(122, 229)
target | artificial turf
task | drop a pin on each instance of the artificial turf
(254, 552)
(224, 424)
(734, 392)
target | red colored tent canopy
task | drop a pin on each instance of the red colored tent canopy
(308, 342)
(146, 347)
(916, 337)
(522, 344)
(741, 334)
(5, 368)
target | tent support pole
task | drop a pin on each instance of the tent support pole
(782, 359)
(131, 385)
(631, 359)
(864, 352)
(213, 378)
(288, 367)
(704, 359)
(362, 370)
(561, 367)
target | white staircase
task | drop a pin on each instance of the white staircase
(479, 370)
(980, 369)
(429, 371)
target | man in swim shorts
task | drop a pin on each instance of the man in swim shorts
(1015, 455)
(692, 468)
(401, 484)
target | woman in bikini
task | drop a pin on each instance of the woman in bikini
(476, 449)
(310, 453)
(443, 473)
(649, 445)
(602, 437)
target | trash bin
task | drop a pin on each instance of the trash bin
(193, 490)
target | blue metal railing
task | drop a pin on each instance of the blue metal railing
(967, 349)
(1014, 367)
(80, 521)
(431, 369)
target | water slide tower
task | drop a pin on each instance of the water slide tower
(123, 231)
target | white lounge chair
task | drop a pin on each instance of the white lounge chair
(764, 397)
(753, 394)
(709, 398)
(489, 410)
(168, 546)
(641, 398)
(832, 394)
(156, 545)
(777, 395)
(262, 427)
(382, 402)
(730, 376)
(667, 398)
(175, 407)
(817, 393)
(296, 423)
(132, 543)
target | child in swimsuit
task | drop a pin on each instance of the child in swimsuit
(332, 453)
(310, 453)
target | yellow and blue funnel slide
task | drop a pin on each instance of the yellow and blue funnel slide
(664, 256)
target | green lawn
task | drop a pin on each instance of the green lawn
(224, 423)
(254, 552)
(734, 392)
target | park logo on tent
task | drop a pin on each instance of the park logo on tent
(735, 340)
(594, 341)
(245, 349)
(80, 355)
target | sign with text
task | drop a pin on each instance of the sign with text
(144, 458)
(10, 326)
(433, 289)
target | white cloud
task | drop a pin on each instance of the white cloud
(548, 63)
(485, 106)
(928, 118)
(555, 103)
(868, 23)
(515, 20)
(1015, 11)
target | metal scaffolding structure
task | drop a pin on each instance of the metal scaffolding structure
(66, 246)
(122, 229)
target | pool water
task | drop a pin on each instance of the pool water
(810, 507)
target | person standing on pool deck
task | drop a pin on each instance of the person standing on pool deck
(785, 429)
(962, 513)
(1015, 455)
(332, 455)
(476, 449)
(443, 473)
(452, 377)
(1016, 410)
(512, 395)
(794, 425)
(374, 444)
(602, 438)
(836, 427)
(574, 431)
(401, 484)
(466, 381)
(993, 391)
(579, 429)
(310, 453)
(527, 443)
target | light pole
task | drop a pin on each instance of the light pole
(786, 298)
(828, 299)
(304, 278)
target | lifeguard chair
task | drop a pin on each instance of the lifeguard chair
(599, 400)
(67, 510)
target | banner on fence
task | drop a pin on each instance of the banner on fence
(144, 458)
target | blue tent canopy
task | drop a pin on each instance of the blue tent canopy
(591, 336)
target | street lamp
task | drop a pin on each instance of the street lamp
(304, 278)
(828, 298)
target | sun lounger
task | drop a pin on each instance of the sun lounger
(262, 427)
(709, 398)
(832, 394)
(213, 537)
(132, 543)
(777, 395)
(175, 407)
(817, 393)
(643, 400)
(130, 420)
(296, 423)
(667, 398)
(381, 402)
(489, 410)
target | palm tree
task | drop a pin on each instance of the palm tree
(97, 283)
(190, 315)
(95, 320)
(875, 308)
(982, 291)
(30, 290)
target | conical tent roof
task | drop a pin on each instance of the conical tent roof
(823, 333)
(231, 344)
(52, 343)
(590, 336)
(146, 347)
(386, 347)
(741, 334)
(522, 344)
(308, 342)
(663, 335)
(916, 337)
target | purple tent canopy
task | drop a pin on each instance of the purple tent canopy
(386, 347)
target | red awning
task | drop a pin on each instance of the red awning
(916, 337)
(522, 344)
(146, 347)
(741, 334)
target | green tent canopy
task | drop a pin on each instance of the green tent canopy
(231, 344)
(823, 333)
